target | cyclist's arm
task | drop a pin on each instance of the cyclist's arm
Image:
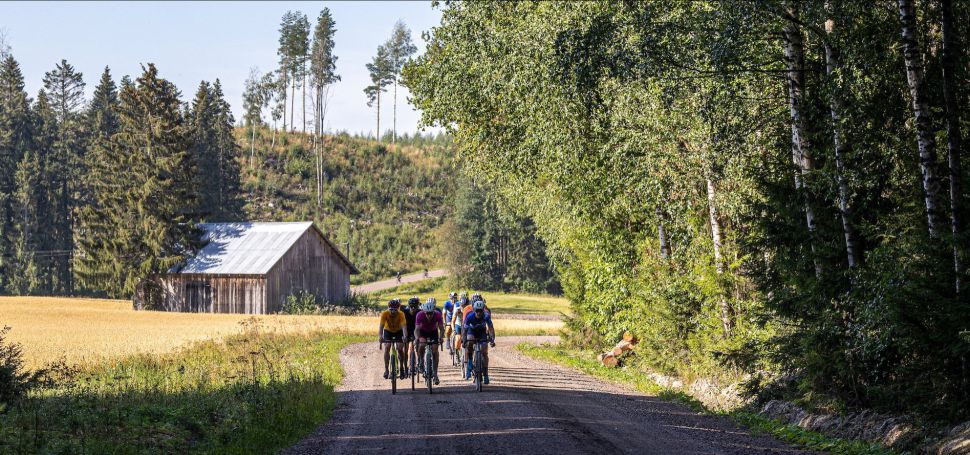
(491, 328)
(380, 329)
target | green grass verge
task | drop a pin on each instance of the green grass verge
(799, 437)
(498, 301)
(251, 393)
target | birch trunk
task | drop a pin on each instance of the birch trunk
(853, 248)
(924, 127)
(954, 136)
(801, 147)
(726, 321)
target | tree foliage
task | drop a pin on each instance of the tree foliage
(703, 174)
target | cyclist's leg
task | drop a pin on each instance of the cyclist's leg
(434, 355)
(387, 355)
(469, 354)
(401, 359)
(419, 351)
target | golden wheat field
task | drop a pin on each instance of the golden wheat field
(88, 330)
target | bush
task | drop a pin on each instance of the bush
(305, 302)
(15, 382)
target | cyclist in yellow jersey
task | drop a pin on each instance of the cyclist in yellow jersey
(391, 331)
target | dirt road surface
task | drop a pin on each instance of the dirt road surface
(530, 407)
(389, 283)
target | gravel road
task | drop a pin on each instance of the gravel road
(389, 283)
(530, 407)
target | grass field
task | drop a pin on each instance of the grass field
(497, 301)
(90, 330)
(253, 392)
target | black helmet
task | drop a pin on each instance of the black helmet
(414, 301)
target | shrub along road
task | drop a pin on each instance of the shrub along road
(530, 407)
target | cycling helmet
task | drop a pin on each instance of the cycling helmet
(476, 297)
(463, 301)
(478, 305)
(429, 305)
(394, 304)
(452, 295)
(414, 301)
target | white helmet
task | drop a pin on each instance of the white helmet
(429, 305)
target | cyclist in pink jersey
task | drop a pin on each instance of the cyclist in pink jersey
(430, 328)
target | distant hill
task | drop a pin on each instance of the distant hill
(385, 200)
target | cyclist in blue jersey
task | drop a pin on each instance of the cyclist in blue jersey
(448, 311)
(477, 327)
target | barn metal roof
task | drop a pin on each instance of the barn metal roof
(247, 248)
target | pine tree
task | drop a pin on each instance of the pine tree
(286, 59)
(200, 123)
(381, 75)
(14, 142)
(400, 49)
(300, 48)
(323, 66)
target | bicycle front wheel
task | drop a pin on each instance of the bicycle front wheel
(393, 370)
(478, 370)
(428, 367)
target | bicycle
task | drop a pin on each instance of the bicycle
(478, 362)
(429, 363)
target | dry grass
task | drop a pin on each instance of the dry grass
(89, 330)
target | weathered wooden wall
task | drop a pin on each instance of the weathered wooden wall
(198, 293)
(310, 265)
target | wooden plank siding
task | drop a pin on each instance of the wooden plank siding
(310, 264)
(199, 293)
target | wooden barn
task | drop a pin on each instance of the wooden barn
(251, 268)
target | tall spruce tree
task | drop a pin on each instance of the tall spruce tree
(229, 201)
(100, 195)
(14, 142)
(150, 211)
(64, 168)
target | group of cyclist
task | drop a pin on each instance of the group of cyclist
(461, 321)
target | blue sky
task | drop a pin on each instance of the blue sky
(191, 42)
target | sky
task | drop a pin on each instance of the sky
(190, 42)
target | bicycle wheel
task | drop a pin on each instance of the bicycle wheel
(428, 367)
(393, 369)
(478, 369)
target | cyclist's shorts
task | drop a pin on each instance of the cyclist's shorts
(475, 336)
(394, 336)
(431, 336)
(410, 337)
